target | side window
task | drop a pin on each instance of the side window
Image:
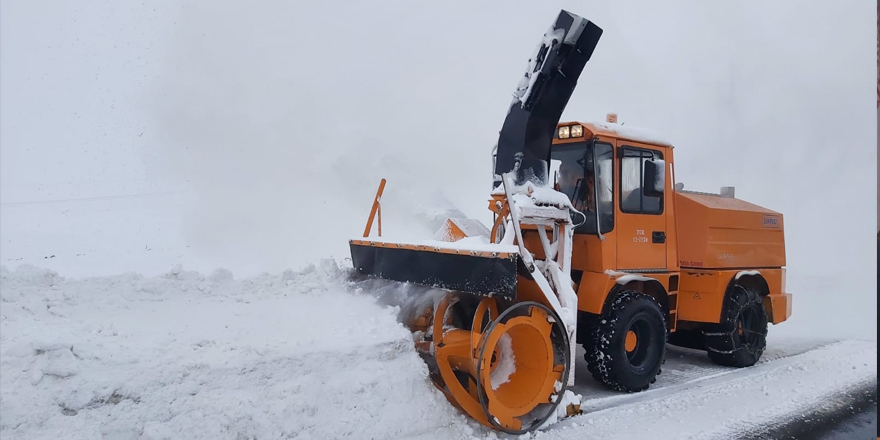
(605, 185)
(632, 172)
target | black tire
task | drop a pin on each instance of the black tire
(741, 337)
(606, 354)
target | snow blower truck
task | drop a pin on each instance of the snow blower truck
(612, 255)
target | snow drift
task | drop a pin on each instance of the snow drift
(185, 355)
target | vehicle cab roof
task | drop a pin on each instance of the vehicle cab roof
(610, 129)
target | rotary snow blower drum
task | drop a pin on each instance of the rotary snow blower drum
(504, 365)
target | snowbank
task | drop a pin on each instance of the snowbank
(184, 355)
(307, 355)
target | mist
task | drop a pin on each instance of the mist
(282, 117)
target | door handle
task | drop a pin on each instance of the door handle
(658, 237)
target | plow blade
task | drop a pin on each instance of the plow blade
(474, 272)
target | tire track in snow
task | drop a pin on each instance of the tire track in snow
(731, 404)
(684, 367)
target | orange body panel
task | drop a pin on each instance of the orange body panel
(722, 232)
(451, 231)
(587, 254)
(702, 294)
(635, 249)
(778, 303)
(592, 291)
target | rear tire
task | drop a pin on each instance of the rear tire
(741, 337)
(634, 321)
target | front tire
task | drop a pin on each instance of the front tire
(627, 344)
(741, 337)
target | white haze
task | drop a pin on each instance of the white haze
(283, 116)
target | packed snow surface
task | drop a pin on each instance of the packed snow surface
(184, 355)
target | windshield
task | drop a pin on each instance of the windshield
(587, 185)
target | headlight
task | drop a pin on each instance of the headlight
(577, 131)
(563, 132)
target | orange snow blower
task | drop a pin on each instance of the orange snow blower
(592, 242)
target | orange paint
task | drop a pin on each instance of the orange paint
(704, 239)
(631, 341)
(376, 208)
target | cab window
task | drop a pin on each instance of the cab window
(587, 184)
(632, 175)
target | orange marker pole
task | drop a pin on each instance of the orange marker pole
(376, 207)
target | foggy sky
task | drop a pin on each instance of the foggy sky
(283, 116)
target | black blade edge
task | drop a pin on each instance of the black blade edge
(459, 272)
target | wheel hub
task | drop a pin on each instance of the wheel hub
(631, 341)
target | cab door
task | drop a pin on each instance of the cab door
(641, 225)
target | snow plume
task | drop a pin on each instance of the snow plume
(284, 132)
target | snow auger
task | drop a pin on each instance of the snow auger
(613, 255)
(498, 332)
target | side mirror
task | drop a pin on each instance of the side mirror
(655, 178)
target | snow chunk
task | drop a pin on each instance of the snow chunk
(627, 277)
(470, 227)
(531, 195)
(507, 363)
(533, 70)
(568, 398)
(744, 273)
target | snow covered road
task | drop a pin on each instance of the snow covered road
(695, 399)
(296, 355)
